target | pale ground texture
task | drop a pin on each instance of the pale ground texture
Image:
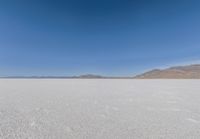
(99, 109)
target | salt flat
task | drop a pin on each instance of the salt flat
(99, 109)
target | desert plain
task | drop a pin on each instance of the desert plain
(99, 109)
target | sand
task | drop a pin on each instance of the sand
(99, 109)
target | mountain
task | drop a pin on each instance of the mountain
(178, 72)
(86, 76)
(89, 76)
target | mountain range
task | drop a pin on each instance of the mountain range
(178, 72)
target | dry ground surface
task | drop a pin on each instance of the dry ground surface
(99, 109)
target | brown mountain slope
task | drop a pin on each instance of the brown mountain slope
(180, 72)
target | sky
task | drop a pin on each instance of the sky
(106, 37)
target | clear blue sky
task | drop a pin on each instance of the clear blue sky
(108, 37)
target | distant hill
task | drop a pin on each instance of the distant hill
(86, 76)
(179, 72)
(89, 76)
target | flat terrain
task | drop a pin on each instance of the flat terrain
(99, 109)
